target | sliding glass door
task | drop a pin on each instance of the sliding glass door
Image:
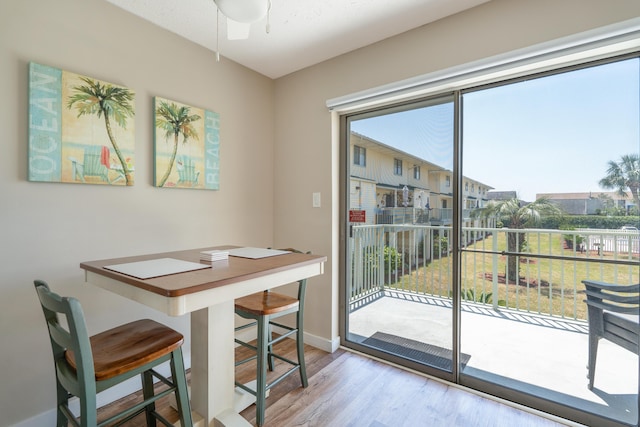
(561, 152)
(477, 224)
(400, 208)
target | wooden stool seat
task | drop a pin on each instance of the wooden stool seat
(266, 303)
(128, 347)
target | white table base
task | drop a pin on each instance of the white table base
(211, 377)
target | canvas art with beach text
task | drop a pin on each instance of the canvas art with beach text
(186, 146)
(81, 129)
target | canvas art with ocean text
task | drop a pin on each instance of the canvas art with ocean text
(81, 130)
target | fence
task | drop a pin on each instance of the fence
(533, 270)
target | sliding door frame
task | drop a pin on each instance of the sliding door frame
(345, 162)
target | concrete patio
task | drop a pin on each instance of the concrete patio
(541, 355)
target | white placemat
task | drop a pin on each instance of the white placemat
(255, 253)
(156, 267)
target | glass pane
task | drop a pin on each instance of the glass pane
(400, 198)
(556, 152)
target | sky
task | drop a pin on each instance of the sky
(548, 135)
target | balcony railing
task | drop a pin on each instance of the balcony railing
(408, 215)
(540, 271)
(411, 215)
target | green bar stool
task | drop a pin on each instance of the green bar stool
(86, 365)
(264, 307)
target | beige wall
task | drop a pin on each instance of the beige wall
(269, 169)
(48, 228)
(306, 150)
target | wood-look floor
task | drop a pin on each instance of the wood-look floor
(348, 389)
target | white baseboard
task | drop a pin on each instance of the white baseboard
(47, 418)
(321, 343)
(327, 345)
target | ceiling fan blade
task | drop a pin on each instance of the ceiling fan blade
(237, 30)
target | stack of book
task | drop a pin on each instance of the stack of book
(214, 255)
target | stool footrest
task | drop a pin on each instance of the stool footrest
(137, 409)
(283, 336)
(245, 388)
(248, 325)
(271, 384)
(243, 361)
(284, 359)
(246, 344)
(282, 377)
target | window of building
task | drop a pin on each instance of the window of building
(448, 181)
(416, 172)
(359, 155)
(397, 167)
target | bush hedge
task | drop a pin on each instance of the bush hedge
(569, 222)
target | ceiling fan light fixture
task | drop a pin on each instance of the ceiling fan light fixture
(240, 15)
(243, 11)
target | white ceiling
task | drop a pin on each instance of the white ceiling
(303, 32)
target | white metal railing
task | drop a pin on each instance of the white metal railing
(413, 215)
(619, 241)
(541, 272)
(408, 215)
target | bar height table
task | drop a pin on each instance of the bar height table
(208, 296)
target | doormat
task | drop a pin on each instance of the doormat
(427, 354)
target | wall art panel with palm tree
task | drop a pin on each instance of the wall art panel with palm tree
(81, 130)
(186, 146)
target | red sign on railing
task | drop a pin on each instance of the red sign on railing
(357, 216)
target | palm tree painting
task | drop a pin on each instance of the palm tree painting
(186, 146)
(81, 129)
(108, 102)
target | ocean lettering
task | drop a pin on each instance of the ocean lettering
(45, 127)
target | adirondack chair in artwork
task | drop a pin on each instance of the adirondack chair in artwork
(187, 173)
(95, 164)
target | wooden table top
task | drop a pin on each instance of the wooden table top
(234, 270)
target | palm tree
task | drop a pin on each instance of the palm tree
(110, 102)
(624, 174)
(515, 215)
(175, 121)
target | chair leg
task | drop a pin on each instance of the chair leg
(593, 353)
(147, 392)
(88, 410)
(270, 347)
(182, 394)
(261, 380)
(300, 345)
(63, 400)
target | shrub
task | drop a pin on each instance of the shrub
(391, 258)
(440, 245)
(570, 239)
